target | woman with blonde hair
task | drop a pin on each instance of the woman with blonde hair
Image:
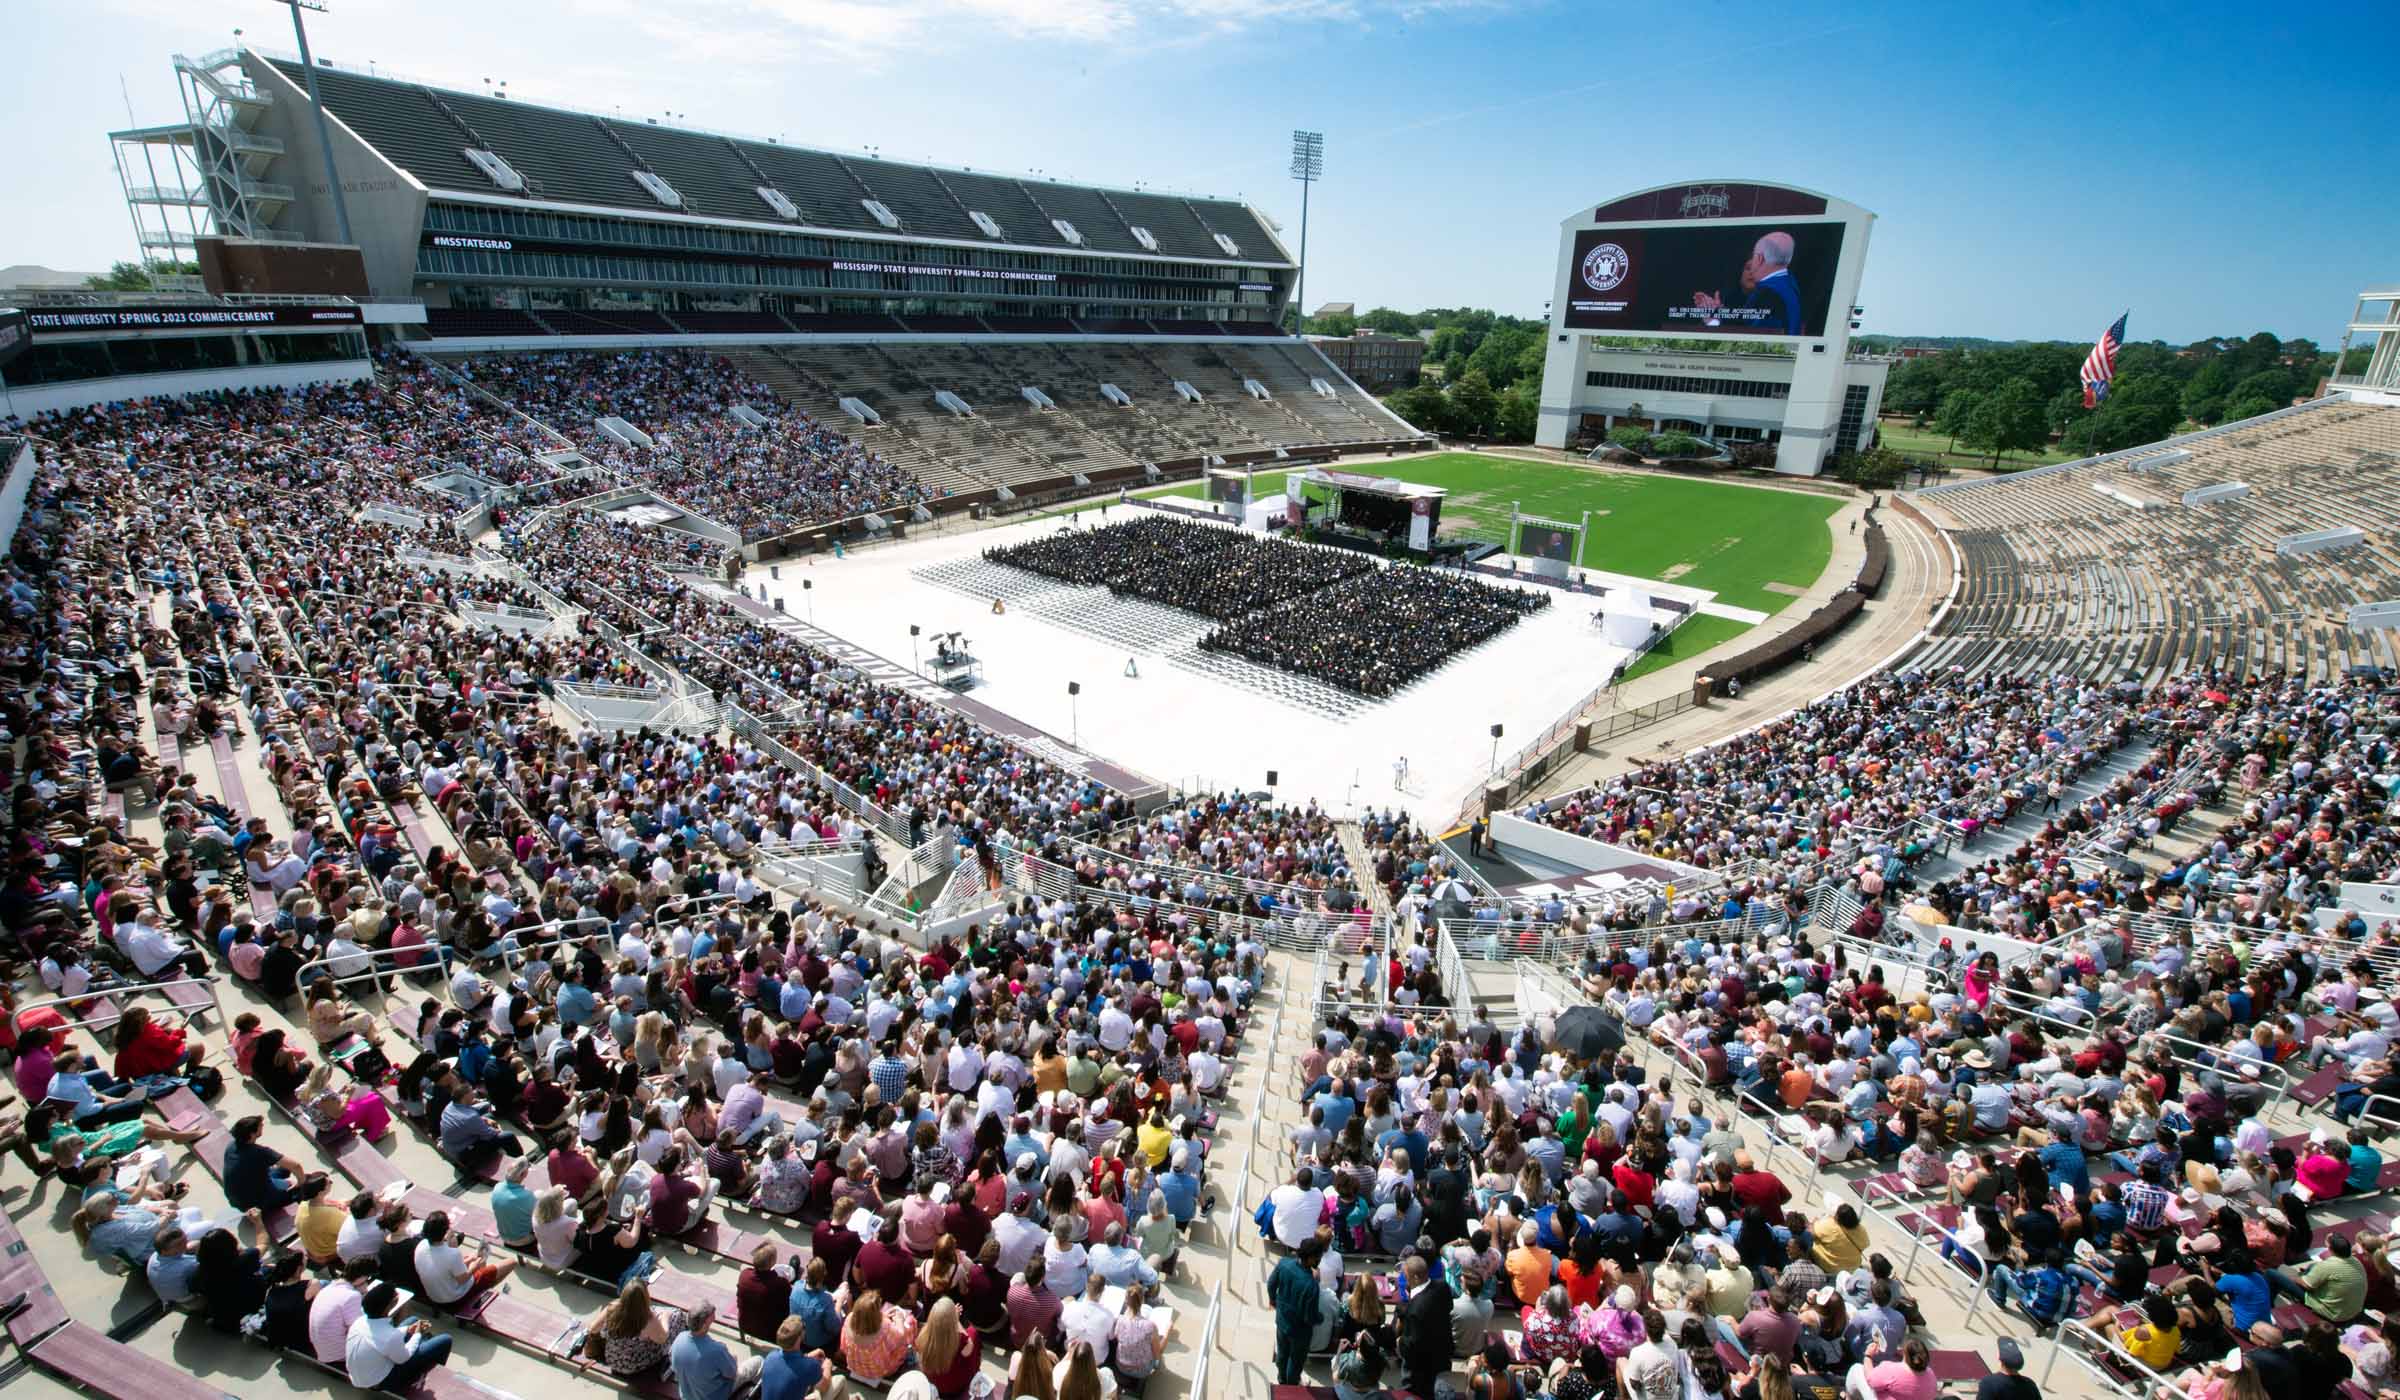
(651, 1042)
(630, 1336)
(875, 1337)
(948, 1353)
(1363, 1315)
(331, 1112)
(1774, 1377)
(554, 1227)
(699, 1062)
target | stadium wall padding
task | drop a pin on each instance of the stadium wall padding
(13, 492)
(84, 393)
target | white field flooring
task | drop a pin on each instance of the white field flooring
(1203, 720)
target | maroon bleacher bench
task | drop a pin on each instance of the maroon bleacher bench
(550, 1335)
(2318, 1087)
(1956, 1366)
(184, 1112)
(21, 1273)
(95, 1362)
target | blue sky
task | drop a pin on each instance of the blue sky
(2036, 169)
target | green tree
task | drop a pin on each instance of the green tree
(1389, 322)
(121, 277)
(1632, 437)
(2066, 406)
(1520, 409)
(1473, 405)
(1340, 325)
(2252, 408)
(1957, 410)
(1422, 405)
(1678, 445)
(2142, 408)
(2011, 420)
(2275, 384)
(1503, 355)
(1916, 386)
(2204, 395)
(1876, 469)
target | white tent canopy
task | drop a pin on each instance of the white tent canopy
(1626, 617)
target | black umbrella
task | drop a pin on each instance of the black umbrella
(1587, 1032)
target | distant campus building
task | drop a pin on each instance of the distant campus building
(1377, 361)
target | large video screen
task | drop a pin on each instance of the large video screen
(1546, 542)
(1705, 279)
(1229, 490)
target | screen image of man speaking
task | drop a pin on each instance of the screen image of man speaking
(1770, 294)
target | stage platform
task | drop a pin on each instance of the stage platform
(1198, 719)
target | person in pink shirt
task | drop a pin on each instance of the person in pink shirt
(35, 1058)
(1979, 981)
(2319, 1170)
(1911, 1377)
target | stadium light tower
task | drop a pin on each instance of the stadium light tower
(308, 70)
(1308, 167)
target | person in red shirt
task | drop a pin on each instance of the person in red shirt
(834, 1242)
(144, 1047)
(762, 1295)
(1639, 1186)
(573, 1171)
(1754, 1188)
(884, 1264)
(677, 1202)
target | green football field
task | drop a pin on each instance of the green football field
(1731, 540)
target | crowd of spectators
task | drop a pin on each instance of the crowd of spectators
(1380, 632)
(761, 478)
(995, 1144)
(1259, 859)
(1073, 1043)
(924, 761)
(2077, 1163)
(1882, 768)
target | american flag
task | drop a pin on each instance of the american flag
(2100, 366)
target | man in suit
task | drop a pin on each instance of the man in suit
(1767, 284)
(1425, 1336)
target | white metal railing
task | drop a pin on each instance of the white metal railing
(1295, 931)
(2096, 1344)
(504, 617)
(757, 731)
(1208, 1341)
(1182, 877)
(1912, 1222)
(118, 992)
(1449, 965)
(381, 963)
(816, 869)
(2152, 931)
